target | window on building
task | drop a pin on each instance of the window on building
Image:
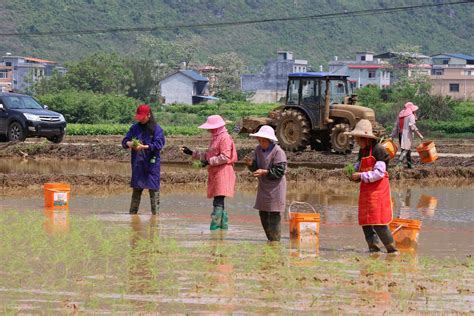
(3, 74)
(437, 72)
(372, 73)
(454, 87)
(8, 63)
(469, 72)
(362, 58)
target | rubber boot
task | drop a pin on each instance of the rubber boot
(271, 223)
(391, 248)
(409, 161)
(135, 203)
(225, 220)
(274, 226)
(216, 217)
(155, 201)
(374, 248)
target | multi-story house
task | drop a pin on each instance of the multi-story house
(407, 64)
(270, 84)
(453, 75)
(365, 70)
(19, 73)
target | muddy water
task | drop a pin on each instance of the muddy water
(136, 270)
(447, 214)
(96, 259)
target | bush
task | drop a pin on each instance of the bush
(122, 129)
(91, 108)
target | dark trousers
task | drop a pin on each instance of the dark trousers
(405, 154)
(375, 232)
(218, 201)
(271, 222)
(154, 200)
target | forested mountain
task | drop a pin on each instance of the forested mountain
(436, 30)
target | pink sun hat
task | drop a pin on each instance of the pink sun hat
(265, 132)
(409, 108)
(213, 122)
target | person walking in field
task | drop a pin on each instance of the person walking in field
(269, 166)
(145, 139)
(405, 128)
(220, 158)
(375, 206)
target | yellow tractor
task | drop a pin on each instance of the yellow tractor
(319, 108)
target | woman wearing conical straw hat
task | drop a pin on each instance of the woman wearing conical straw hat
(269, 166)
(375, 206)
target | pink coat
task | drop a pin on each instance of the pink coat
(221, 156)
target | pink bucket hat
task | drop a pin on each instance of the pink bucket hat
(213, 122)
(409, 108)
(265, 132)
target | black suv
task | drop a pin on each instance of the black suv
(21, 116)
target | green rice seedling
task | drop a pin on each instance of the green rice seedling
(349, 169)
(196, 164)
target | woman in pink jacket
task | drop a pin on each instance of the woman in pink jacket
(220, 157)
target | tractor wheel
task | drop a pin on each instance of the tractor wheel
(293, 130)
(341, 143)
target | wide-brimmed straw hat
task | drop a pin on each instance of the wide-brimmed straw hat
(265, 132)
(408, 109)
(213, 122)
(363, 128)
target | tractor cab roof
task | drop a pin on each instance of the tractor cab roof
(318, 75)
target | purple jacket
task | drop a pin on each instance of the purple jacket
(145, 172)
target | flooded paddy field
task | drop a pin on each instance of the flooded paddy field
(95, 258)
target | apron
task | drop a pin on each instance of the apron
(375, 206)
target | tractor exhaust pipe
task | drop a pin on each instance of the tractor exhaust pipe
(327, 120)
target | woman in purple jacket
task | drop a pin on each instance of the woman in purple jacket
(145, 139)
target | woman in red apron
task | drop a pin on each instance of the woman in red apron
(375, 206)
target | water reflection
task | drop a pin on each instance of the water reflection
(222, 275)
(56, 221)
(427, 205)
(142, 267)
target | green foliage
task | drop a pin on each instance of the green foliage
(316, 40)
(89, 107)
(176, 119)
(100, 72)
(122, 129)
(462, 122)
(369, 95)
(230, 67)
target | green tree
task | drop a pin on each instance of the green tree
(100, 72)
(230, 67)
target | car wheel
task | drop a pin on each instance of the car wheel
(56, 139)
(16, 133)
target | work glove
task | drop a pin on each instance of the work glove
(186, 150)
(204, 163)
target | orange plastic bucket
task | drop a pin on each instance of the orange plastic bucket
(406, 233)
(427, 152)
(56, 195)
(304, 226)
(390, 147)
